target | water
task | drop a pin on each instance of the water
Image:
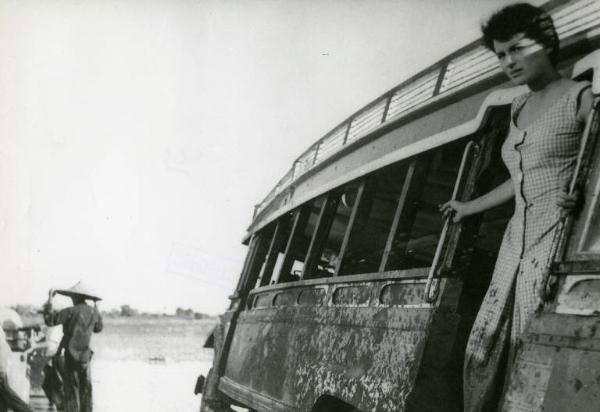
(149, 364)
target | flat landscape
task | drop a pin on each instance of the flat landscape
(149, 364)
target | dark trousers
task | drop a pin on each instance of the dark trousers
(77, 386)
(9, 399)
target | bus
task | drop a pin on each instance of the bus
(356, 295)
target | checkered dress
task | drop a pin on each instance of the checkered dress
(540, 160)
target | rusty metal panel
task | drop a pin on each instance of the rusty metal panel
(367, 356)
(352, 295)
(557, 367)
(579, 295)
(285, 298)
(396, 294)
(211, 397)
(312, 297)
(263, 301)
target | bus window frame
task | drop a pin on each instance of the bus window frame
(253, 263)
(577, 239)
(319, 237)
(358, 208)
(277, 241)
(417, 167)
(398, 213)
(301, 216)
(407, 206)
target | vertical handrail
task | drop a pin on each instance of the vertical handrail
(558, 246)
(431, 288)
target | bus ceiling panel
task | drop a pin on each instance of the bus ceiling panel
(305, 162)
(471, 66)
(426, 133)
(579, 25)
(464, 79)
(366, 121)
(401, 105)
(331, 143)
(577, 17)
(569, 11)
(412, 95)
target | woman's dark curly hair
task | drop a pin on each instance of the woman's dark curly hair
(521, 18)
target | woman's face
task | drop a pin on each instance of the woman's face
(522, 59)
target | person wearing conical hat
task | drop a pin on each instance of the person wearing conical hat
(8, 397)
(79, 322)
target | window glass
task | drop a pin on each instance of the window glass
(421, 222)
(340, 223)
(343, 201)
(592, 240)
(373, 220)
(591, 237)
(290, 266)
(267, 235)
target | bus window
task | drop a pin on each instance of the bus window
(374, 218)
(421, 223)
(275, 253)
(329, 235)
(255, 259)
(591, 236)
(269, 233)
(289, 268)
(320, 258)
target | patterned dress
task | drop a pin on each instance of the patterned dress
(540, 159)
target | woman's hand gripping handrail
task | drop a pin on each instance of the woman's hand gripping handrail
(431, 288)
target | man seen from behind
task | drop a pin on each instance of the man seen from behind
(79, 322)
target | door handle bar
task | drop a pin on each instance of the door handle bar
(432, 286)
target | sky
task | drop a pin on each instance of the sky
(137, 136)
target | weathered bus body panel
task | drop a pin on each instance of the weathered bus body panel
(558, 366)
(372, 341)
(360, 342)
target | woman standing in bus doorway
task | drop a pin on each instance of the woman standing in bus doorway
(540, 153)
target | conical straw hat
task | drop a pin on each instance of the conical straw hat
(79, 289)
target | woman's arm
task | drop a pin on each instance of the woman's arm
(495, 197)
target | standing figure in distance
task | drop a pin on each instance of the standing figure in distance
(78, 321)
(540, 153)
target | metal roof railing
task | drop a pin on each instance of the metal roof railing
(472, 64)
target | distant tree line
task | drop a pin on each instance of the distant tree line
(125, 311)
(189, 313)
